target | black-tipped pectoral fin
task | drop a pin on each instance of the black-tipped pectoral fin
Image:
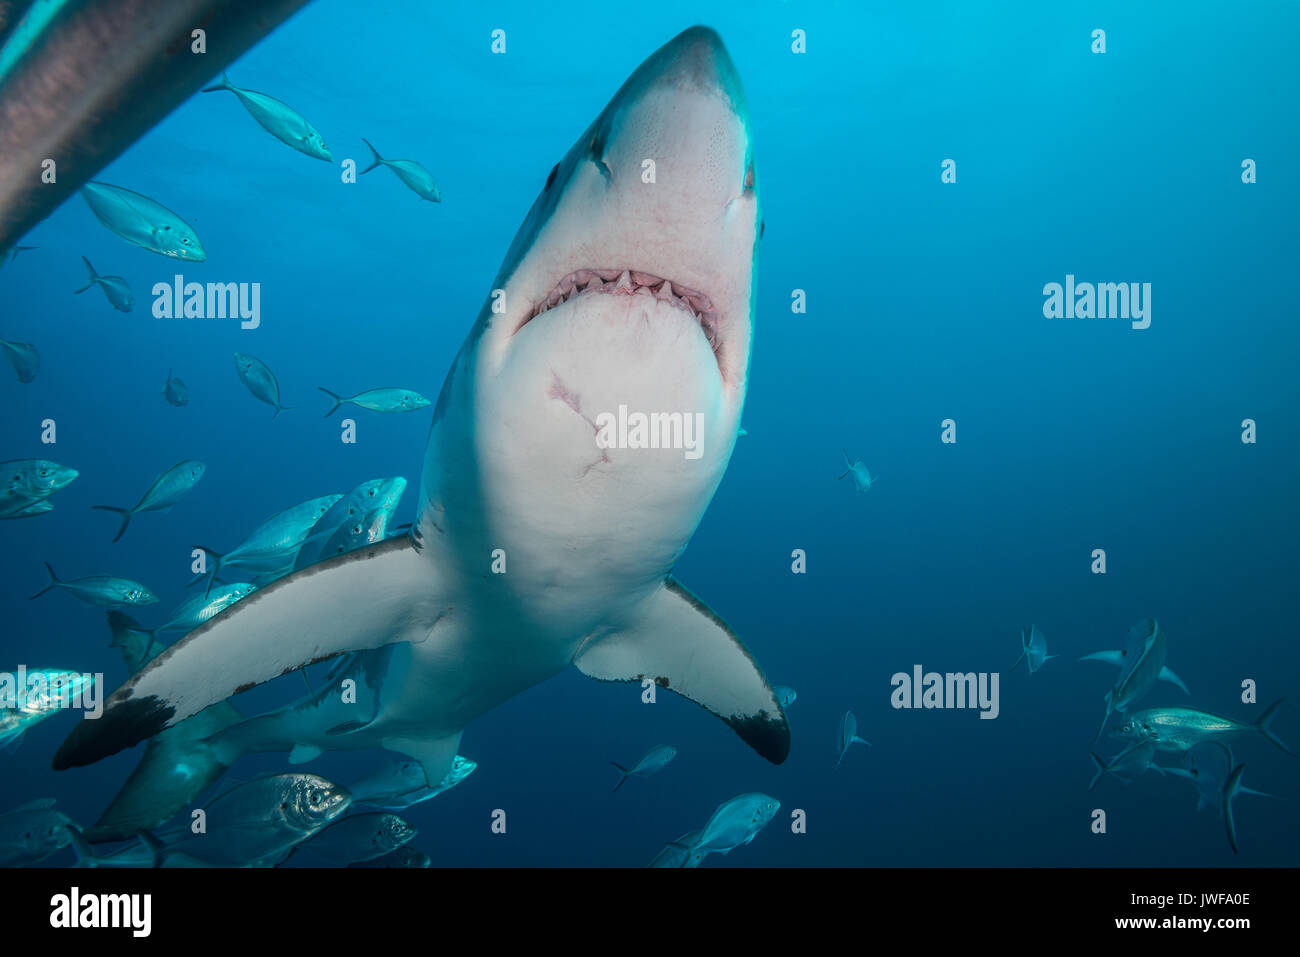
(683, 646)
(364, 599)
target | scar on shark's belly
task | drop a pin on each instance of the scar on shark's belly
(560, 391)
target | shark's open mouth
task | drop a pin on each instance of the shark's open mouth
(630, 282)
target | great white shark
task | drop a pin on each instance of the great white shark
(536, 547)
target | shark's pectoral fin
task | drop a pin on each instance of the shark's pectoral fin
(367, 598)
(683, 646)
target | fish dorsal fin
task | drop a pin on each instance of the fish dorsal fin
(678, 642)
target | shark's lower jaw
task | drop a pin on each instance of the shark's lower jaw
(631, 282)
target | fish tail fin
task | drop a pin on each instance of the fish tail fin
(623, 779)
(126, 514)
(338, 400)
(54, 580)
(1101, 769)
(94, 277)
(377, 161)
(136, 643)
(1229, 792)
(157, 849)
(1263, 725)
(216, 567)
(223, 85)
(85, 855)
(1104, 718)
(279, 409)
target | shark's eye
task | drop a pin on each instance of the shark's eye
(550, 180)
(762, 228)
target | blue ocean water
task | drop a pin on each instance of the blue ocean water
(924, 303)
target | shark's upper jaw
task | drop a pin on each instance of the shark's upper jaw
(658, 198)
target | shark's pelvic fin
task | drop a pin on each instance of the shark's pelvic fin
(367, 598)
(685, 647)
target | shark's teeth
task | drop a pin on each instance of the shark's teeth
(633, 282)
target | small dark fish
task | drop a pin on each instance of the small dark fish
(260, 381)
(23, 357)
(358, 837)
(101, 590)
(167, 489)
(417, 179)
(115, 288)
(175, 391)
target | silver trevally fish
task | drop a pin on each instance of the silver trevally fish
(654, 761)
(27, 484)
(176, 766)
(401, 784)
(143, 222)
(260, 380)
(785, 695)
(382, 494)
(175, 391)
(357, 837)
(82, 98)
(279, 119)
(511, 463)
(1129, 764)
(848, 736)
(23, 357)
(195, 611)
(1177, 729)
(17, 506)
(733, 824)
(418, 179)
(1034, 650)
(677, 854)
(52, 690)
(115, 288)
(1141, 663)
(351, 535)
(102, 590)
(32, 832)
(256, 822)
(380, 400)
(167, 489)
(862, 479)
(273, 545)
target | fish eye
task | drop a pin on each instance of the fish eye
(184, 241)
(762, 228)
(316, 797)
(550, 180)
